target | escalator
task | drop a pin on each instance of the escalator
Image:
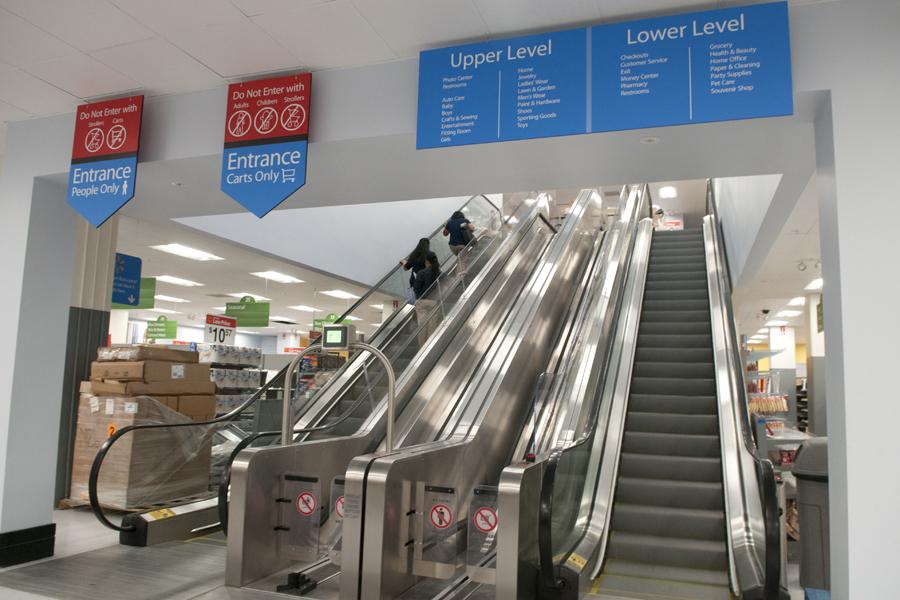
(330, 409)
(667, 534)
(664, 496)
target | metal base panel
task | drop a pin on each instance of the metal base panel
(175, 571)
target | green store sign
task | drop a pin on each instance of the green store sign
(162, 329)
(248, 312)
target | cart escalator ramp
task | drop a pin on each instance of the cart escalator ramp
(667, 537)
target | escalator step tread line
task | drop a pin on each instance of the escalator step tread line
(667, 535)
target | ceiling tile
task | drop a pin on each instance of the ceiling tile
(617, 10)
(83, 76)
(159, 66)
(27, 92)
(86, 24)
(327, 35)
(21, 43)
(409, 26)
(506, 16)
(11, 113)
(165, 15)
(253, 8)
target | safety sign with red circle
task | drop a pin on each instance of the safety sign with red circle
(339, 507)
(441, 516)
(306, 504)
(485, 519)
(239, 123)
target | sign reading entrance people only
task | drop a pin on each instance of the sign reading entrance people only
(266, 127)
(104, 157)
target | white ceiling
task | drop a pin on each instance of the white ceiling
(232, 275)
(780, 279)
(55, 54)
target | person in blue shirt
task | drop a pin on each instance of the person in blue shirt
(459, 229)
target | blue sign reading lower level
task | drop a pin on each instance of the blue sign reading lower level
(261, 177)
(126, 288)
(699, 67)
(98, 189)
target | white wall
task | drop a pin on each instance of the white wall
(781, 340)
(816, 346)
(742, 203)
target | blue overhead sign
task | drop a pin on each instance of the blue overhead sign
(708, 66)
(126, 288)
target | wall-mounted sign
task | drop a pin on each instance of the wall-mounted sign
(146, 293)
(699, 67)
(126, 287)
(219, 330)
(248, 312)
(104, 157)
(162, 329)
(266, 127)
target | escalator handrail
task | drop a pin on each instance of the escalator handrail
(546, 570)
(93, 477)
(765, 472)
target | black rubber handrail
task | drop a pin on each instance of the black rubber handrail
(93, 477)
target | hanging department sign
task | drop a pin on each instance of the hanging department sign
(104, 157)
(266, 127)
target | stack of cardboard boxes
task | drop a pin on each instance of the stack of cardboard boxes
(136, 385)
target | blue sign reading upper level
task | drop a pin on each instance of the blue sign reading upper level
(699, 67)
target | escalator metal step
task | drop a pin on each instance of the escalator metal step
(675, 370)
(663, 466)
(673, 403)
(673, 354)
(670, 494)
(675, 552)
(677, 304)
(675, 316)
(675, 341)
(688, 328)
(620, 587)
(671, 294)
(673, 386)
(676, 273)
(687, 523)
(632, 569)
(673, 444)
(647, 422)
(696, 284)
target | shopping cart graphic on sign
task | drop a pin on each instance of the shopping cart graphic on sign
(115, 137)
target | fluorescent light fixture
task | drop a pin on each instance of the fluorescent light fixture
(245, 332)
(178, 281)
(165, 298)
(668, 191)
(762, 331)
(789, 313)
(798, 301)
(277, 318)
(377, 306)
(352, 319)
(776, 323)
(305, 308)
(815, 285)
(256, 297)
(186, 252)
(340, 294)
(278, 277)
(376, 325)
(165, 311)
(222, 308)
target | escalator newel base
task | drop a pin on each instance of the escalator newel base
(297, 585)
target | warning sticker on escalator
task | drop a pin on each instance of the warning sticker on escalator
(441, 516)
(482, 534)
(485, 520)
(306, 504)
(444, 534)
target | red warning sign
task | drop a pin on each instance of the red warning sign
(485, 519)
(339, 507)
(306, 504)
(108, 127)
(441, 516)
(266, 109)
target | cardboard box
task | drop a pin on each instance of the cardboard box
(85, 388)
(198, 408)
(144, 467)
(155, 388)
(149, 371)
(136, 352)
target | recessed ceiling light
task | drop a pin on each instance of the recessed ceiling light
(276, 276)
(186, 252)
(256, 297)
(649, 140)
(789, 313)
(305, 308)
(222, 308)
(798, 301)
(165, 311)
(165, 298)
(178, 281)
(340, 294)
(352, 319)
(763, 331)
(815, 285)
(668, 191)
(776, 323)
(377, 306)
(245, 332)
